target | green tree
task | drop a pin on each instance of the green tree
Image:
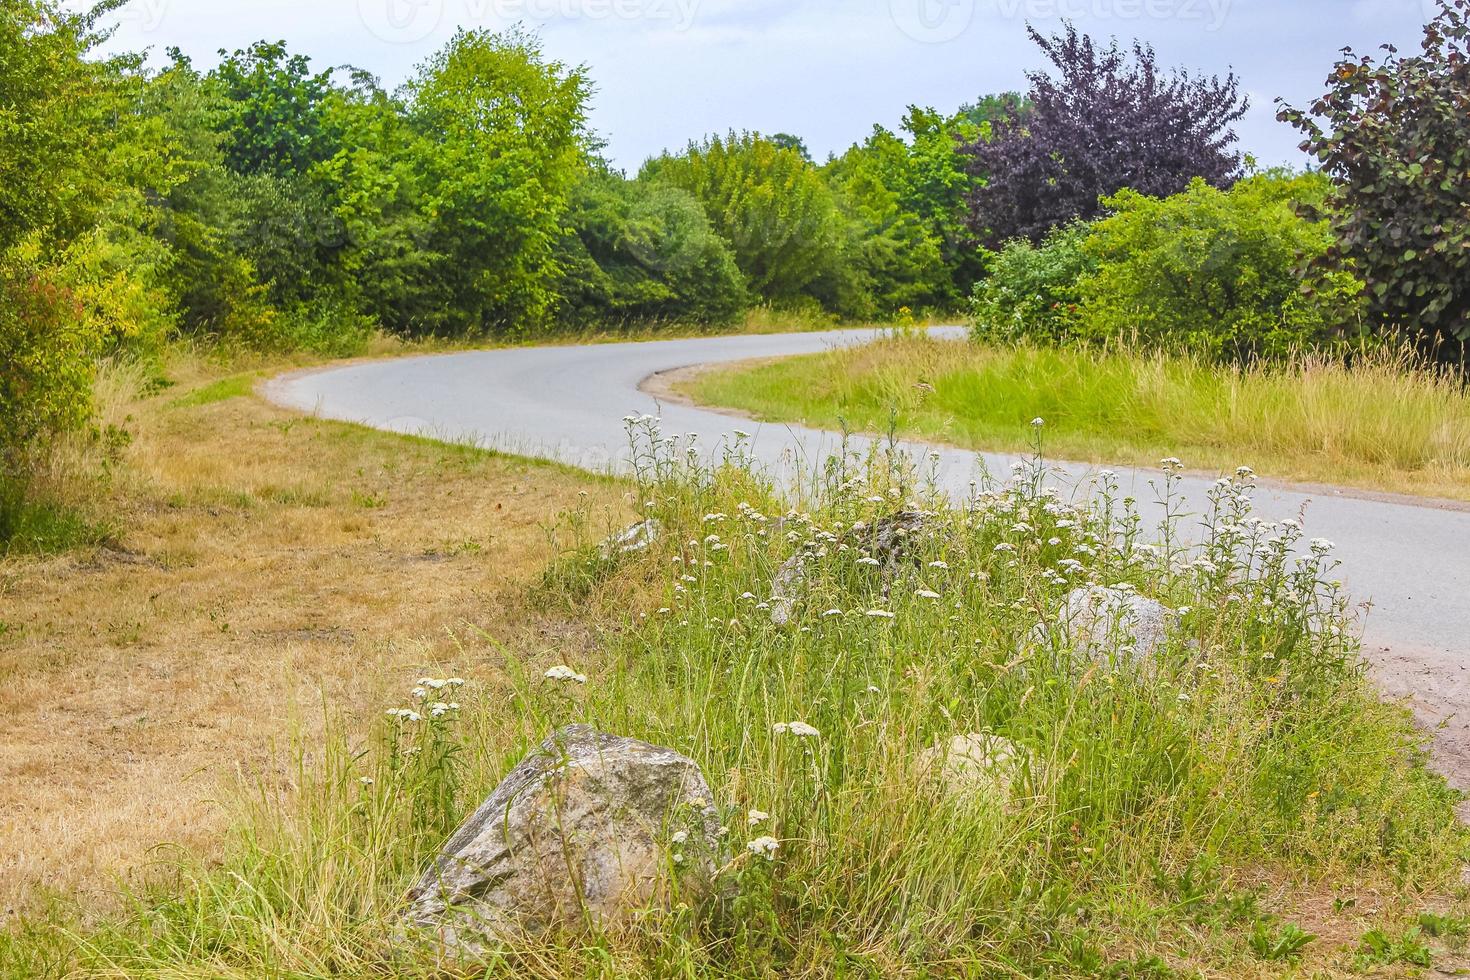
(271, 110)
(773, 207)
(500, 139)
(75, 274)
(898, 253)
(642, 252)
(377, 193)
(1395, 137)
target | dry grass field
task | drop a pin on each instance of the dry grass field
(261, 566)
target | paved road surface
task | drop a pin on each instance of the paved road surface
(567, 403)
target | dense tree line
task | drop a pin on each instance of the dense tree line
(266, 204)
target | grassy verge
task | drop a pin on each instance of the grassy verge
(1239, 804)
(1380, 424)
(255, 564)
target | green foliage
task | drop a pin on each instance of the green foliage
(898, 254)
(1031, 292)
(1216, 271)
(1284, 943)
(773, 207)
(1395, 137)
(48, 349)
(643, 252)
(272, 110)
(499, 136)
(57, 110)
(1448, 926)
(76, 277)
(1382, 949)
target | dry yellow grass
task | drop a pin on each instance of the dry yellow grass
(263, 563)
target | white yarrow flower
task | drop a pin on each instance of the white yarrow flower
(879, 614)
(561, 672)
(798, 728)
(765, 847)
(756, 817)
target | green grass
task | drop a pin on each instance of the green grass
(36, 524)
(1379, 424)
(1162, 819)
(235, 386)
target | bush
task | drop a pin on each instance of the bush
(48, 351)
(1397, 141)
(1031, 291)
(1217, 271)
(773, 207)
(1209, 271)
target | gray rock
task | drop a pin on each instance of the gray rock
(639, 537)
(788, 581)
(1101, 622)
(587, 828)
(977, 768)
(886, 539)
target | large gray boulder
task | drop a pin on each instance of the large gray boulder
(1101, 622)
(588, 829)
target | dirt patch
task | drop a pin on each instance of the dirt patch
(1436, 687)
(265, 565)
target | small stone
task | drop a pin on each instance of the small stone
(639, 537)
(975, 766)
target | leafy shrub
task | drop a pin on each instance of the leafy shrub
(1216, 271)
(1031, 291)
(1395, 137)
(48, 349)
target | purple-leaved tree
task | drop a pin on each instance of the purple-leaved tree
(1110, 118)
(1394, 134)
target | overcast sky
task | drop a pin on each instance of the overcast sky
(669, 70)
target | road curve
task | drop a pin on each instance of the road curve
(567, 404)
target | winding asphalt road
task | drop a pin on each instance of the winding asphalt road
(567, 403)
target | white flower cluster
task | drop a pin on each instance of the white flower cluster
(798, 728)
(561, 672)
(765, 847)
